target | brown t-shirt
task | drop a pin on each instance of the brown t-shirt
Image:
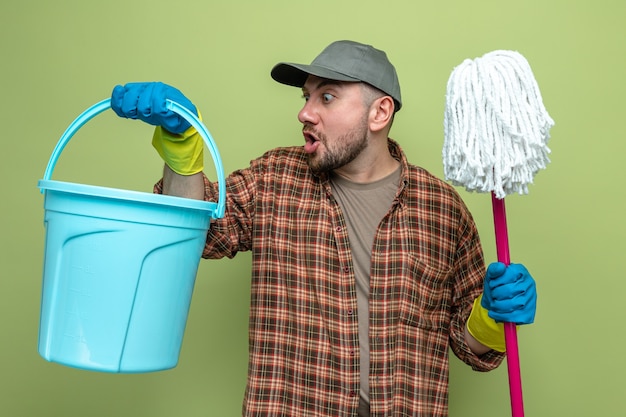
(364, 206)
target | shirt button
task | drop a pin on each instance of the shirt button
(346, 269)
(338, 229)
(350, 312)
(353, 393)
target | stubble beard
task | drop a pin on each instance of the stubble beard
(344, 149)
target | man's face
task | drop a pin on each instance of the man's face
(334, 120)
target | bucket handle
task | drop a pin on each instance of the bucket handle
(182, 111)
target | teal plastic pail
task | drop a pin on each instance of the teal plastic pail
(119, 267)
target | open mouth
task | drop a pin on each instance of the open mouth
(311, 141)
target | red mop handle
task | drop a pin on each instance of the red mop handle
(510, 332)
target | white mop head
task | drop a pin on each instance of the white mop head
(496, 127)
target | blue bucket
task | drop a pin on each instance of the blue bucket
(119, 267)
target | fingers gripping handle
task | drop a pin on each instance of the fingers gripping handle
(171, 105)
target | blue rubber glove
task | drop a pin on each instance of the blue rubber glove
(509, 294)
(176, 141)
(146, 102)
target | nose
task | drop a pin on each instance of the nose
(307, 114)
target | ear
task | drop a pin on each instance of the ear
(381, 113)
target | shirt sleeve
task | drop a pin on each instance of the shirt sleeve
(468, 285)
(232, 233)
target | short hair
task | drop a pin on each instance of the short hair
(371, 94)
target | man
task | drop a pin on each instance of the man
(365, 267)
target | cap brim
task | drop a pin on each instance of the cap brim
(296, 74)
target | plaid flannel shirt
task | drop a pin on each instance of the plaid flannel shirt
(427, 267)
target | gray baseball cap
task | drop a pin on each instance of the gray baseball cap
(345, 61)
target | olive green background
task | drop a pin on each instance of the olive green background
(60, 57)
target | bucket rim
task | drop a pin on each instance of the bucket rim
(128, 195)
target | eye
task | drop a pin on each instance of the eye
(306, 97)
(327, 97)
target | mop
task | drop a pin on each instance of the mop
(496, 131)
